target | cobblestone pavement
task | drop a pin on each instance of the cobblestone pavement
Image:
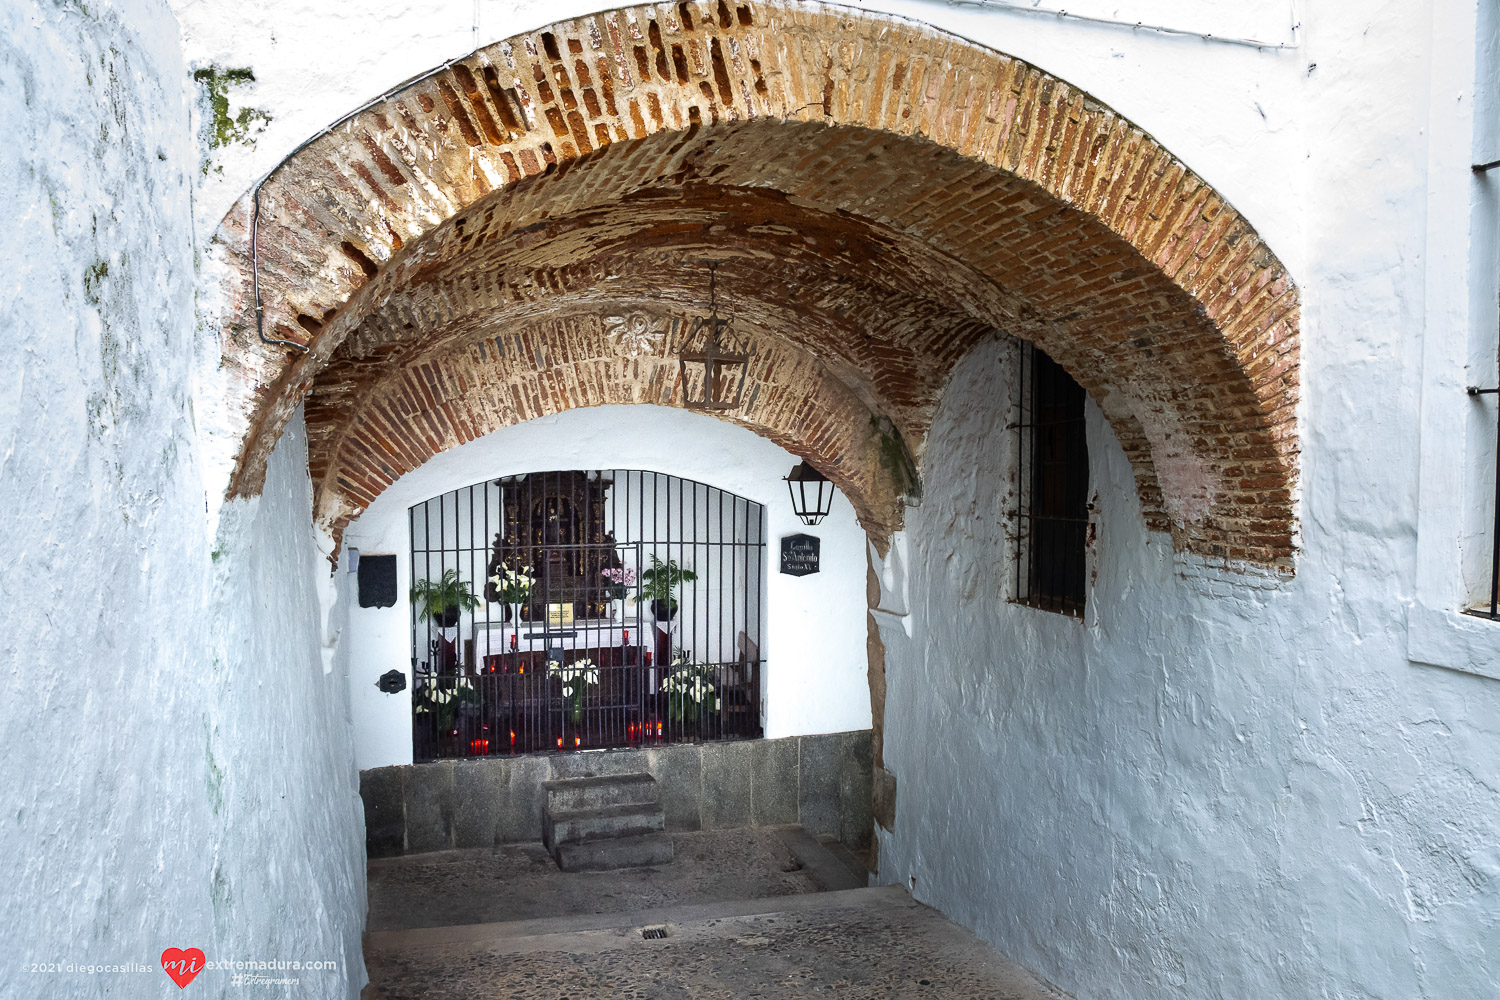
(521, 881)
(859, 944)
(743, 912)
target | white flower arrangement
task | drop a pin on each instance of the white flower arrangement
(513, 585)
(689, 682)
(434, 695)
(577, 677)
(580, 673)
(444, 697)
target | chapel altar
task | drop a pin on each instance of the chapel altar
(572, 571)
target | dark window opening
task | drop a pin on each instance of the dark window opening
(1052, 517)
(1492, 609)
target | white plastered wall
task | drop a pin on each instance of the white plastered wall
(813, 641)
(179, 769)
(1216, 786)
(1220, 785)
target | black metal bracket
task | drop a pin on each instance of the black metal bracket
(392, 682)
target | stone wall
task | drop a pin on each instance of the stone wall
(178, 765)
(820, 782)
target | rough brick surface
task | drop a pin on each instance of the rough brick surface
(516, 234)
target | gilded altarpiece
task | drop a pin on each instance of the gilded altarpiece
(554, 523)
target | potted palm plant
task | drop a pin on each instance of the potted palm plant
(659, 584)
(441, 601)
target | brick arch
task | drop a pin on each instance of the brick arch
(1071, 226)
(563, 361)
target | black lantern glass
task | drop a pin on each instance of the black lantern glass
(812, 494)
(718, 363)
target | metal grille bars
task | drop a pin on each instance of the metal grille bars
(1052, 478)
(605, 608)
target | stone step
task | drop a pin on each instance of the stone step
(627, 820)
(614, 852)
(577, 794)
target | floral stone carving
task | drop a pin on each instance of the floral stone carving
(636, 333)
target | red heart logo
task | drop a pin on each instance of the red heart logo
(183, 966)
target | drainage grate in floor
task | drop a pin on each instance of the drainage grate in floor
(653, 933)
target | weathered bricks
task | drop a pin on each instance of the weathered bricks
(517, 196)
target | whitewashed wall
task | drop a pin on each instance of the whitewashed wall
(178, 767)
(1483, 304)
(1214, 786)
(814, 634)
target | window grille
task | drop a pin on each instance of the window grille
(586, 659)
(1052, 516)
(1491, 610)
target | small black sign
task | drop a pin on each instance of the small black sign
(377, 581)
(799, 554)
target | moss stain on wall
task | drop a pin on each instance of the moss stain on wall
(896, 459)
(220, 127)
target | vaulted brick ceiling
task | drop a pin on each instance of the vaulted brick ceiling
(474, 250)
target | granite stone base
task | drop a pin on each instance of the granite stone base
(822, 782)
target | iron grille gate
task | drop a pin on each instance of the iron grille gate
(1052, 515)
(584, 609)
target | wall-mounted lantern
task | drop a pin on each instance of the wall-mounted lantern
(718, 363)
(812, 494)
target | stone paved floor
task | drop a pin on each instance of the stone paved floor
(859, 944)
(745, 913)
(521, 882)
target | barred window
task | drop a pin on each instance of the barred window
(1052, 479)
(1480, 544)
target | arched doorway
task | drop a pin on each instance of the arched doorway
(448, 260)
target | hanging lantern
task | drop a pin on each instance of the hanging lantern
(812, 494)
(718, 363)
